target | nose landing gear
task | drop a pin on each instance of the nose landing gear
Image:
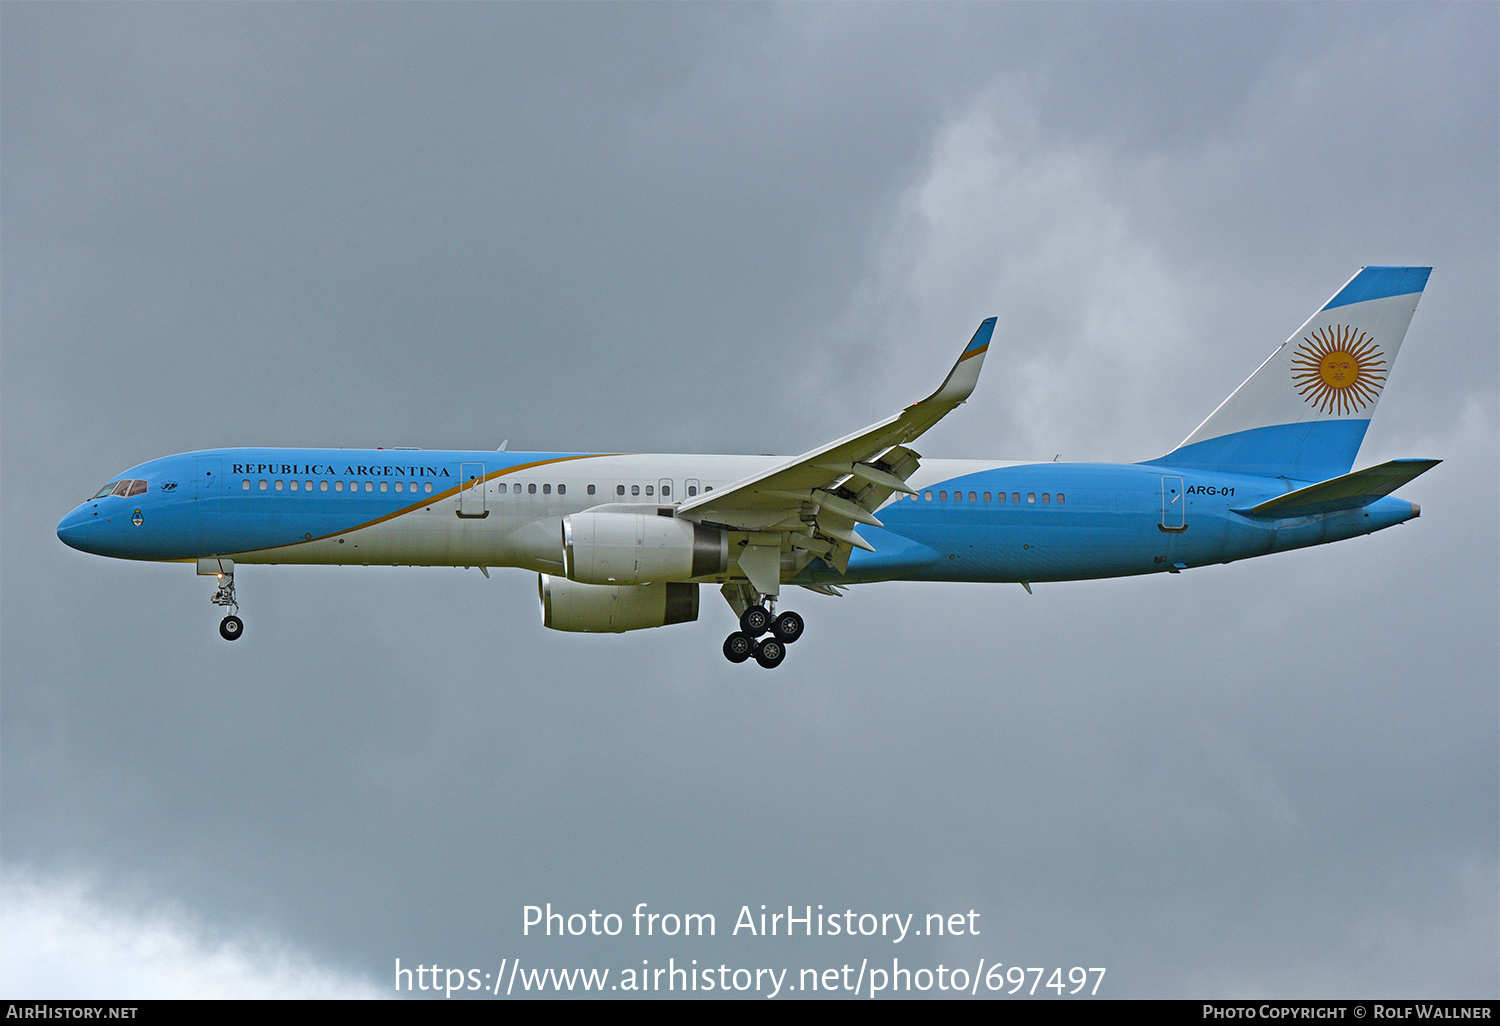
(231, 627)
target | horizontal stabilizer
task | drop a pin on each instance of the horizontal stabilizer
(1351, 491)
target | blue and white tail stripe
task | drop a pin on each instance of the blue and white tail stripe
(1303, 414)
(1381, 283)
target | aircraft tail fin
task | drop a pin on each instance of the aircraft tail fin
(1303, 414)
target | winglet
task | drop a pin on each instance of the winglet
(961, 380)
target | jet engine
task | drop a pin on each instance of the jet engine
(610, 608)
(630, 548)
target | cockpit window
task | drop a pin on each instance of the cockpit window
(123, 488)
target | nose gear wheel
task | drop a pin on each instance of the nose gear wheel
(231, 627)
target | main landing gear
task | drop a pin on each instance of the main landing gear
(769, 651)
(231, 627)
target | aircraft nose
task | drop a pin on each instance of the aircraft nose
(74, 529)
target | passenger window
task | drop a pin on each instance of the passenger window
(666, 491)
(986, 496)
(307, 486)
(503, 487)
(427, 487)
(708, 488)
(942, 496)
(619, 489)
(1061, 498)
(546, 489)
(245, 484)
(398, 486)
(322, 486)
(262, 484)
(562, 489)
(385, 486)
(591, 489)
(927, 495)
(338, 486)
(973, 497)
(294, 486)
(1015, 496)
(692, 490)
(1031, 496)
(531, 489)
(369, 486)
(278, 485)
(650, 489)
(635, 489)
(1046, 496)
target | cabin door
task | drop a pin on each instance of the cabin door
(209, 483)
(471, 491)
(1173, 505)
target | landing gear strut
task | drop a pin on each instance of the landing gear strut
(231, 627)
(758, 619)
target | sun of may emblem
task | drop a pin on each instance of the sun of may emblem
(1339, 369)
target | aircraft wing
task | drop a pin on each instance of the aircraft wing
(819, 498)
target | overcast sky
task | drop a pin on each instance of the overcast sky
(741, 228)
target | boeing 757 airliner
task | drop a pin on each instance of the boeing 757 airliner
(621, 542)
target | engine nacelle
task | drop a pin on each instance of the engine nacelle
(611, 608)
(629, 548)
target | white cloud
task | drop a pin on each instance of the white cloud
(1007, 220)
(63, 940)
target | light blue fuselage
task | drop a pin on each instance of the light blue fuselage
(1058, 521)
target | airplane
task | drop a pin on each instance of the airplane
(622, 542)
